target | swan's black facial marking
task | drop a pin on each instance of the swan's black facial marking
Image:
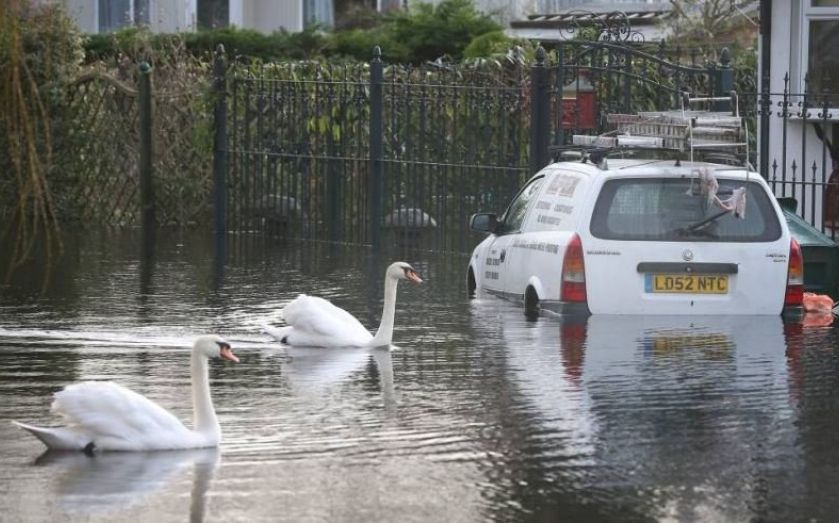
(284, 340)
(411, 275)
(225, 351)
(89, 448)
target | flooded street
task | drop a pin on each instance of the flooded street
(476, 414)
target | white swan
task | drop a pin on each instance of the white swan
(314, 322)
(106, 416)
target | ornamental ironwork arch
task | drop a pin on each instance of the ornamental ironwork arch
(610, 27)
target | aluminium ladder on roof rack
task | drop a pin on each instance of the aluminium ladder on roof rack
(682, 130)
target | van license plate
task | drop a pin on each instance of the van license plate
(687, 283)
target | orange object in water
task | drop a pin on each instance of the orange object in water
(818, 303)
(817, 319)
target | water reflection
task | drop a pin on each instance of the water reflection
(546, 359)
(684, 412)
(109, 482)
(384, 366)
(694, 406)
(312, 370)
(480, 415)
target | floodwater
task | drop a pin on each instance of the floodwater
(476, 414)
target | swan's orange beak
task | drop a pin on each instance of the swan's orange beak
(412, 275)
(227, 353)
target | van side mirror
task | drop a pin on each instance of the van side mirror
(484, 222)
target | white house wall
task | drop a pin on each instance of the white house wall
(269, 16)
(796, 146)
(83, 12)
(504, 10)
(170, 16)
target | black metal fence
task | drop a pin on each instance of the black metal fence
(380, 153)
(366, 153)
(799, 150)
(371, 153)
(133, 146)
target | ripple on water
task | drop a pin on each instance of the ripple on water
(478, 414)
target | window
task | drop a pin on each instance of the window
(318, 12)
(823, 64)
(114, 14)
(514, 217)
(650, 209)
(213, 13)
(820, 61)
(142, 12)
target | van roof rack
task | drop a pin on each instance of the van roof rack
(685, 130)
(597, 153)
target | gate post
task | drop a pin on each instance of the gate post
(374, 182)
(146, 168)
(723, 80)
(764, 112)
(219, 141)
(539, 131)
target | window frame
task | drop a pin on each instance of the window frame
(132, 15)
(800, 32)
(501, 231)
(762, 205)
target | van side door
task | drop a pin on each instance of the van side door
(508, 232)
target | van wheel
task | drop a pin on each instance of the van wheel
(470, 283)
(531, 304)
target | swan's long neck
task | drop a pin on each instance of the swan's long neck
(385, 333)
(204, 415)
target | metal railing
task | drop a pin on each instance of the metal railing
(372, 153)
(799, 150)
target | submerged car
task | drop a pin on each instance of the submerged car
(641, 237)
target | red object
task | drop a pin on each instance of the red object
(795, 276)
(817, 303)
(579, 104)
(573, 287)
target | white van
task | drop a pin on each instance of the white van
(641, 237)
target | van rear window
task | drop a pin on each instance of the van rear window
(673, 209)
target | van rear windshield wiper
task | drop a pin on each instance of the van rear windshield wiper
(702, 223)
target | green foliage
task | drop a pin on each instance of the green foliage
(425, 32)
(357, 44)
(488, 44)
(39, 54)
(744, 63)
(237, 42)
(442, 30)
(358, 17)
(245, 42)
(52, 49)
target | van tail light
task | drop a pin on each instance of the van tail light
(573, 287)
(795, 276)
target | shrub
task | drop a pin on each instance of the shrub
(430, 32)
(358, 44)
(39, 55)
(423, 33)
(237, 42)
(488, 44)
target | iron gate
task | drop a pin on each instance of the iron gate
(371, 153)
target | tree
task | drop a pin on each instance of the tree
(39, 50)
(706, 19)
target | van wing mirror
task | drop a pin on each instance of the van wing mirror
(484, 222)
